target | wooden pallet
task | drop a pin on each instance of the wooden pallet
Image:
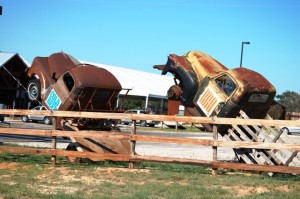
(266, 134)
(103, 145)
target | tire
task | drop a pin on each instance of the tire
(115, 129)
(72, 160)
(151, 125)
(287, 130)
(47, 120)
(25, 118)
(143, 123)
(34, 90)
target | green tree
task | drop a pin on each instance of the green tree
(291, 100)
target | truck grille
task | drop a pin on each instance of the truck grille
(208, 101)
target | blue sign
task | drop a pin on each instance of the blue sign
(53, 100)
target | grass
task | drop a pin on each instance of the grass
(31, 176)
(187, 128)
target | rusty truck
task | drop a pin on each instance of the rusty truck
(207, 88)
(61, 82)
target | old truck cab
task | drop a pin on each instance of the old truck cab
(60, 82)
(207, 88)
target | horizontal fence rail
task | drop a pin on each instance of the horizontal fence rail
(145, 138)
(148, 138)
(206, 120)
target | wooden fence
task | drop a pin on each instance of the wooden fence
(133, 137)
(292, 116)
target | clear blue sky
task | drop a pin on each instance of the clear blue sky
(138, 34)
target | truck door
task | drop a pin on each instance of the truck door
(60, 91)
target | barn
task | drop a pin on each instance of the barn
(13, 80)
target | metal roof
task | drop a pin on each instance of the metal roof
(142, 83)
(6, 56)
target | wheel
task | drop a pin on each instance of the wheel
(143, 123)
(72, 160)
(47, 120)
(34, 90)
(115, 129)
(286, 130)
(25, 118)
(174, 92)
(151, 125)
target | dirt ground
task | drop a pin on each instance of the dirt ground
(109, 175)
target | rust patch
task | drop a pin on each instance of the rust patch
(240, 89)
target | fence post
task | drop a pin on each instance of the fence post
(215, 149)
(132, 143)
(53, 139)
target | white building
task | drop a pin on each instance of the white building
(147, 87)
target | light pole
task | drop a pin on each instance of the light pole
(244, 42)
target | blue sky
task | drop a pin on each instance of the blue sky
(139, 34)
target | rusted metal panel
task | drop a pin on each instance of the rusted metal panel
(71, 80)
(208, 88)
(203, 64)
(92, 76)
(173, 107)
(63, 83)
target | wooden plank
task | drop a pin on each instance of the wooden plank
(92, 155)
(53, 139)
(225, 165)
(268, 155)
(241, 152)
(53, 157)
(277, 136)
(268, 117)
(290, 159)
(118, 157)
(36, 151)
(108, 134)
(204, 142)
(215, 149)
(277, 156)
(238, 152)
(255, 167)
(258, 156)
(89, 145)
(132, 143)
(250, 132)
(206, 120)
(256, 145)
(21, 131)
(57, 152)
(133, 133)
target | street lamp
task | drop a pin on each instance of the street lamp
(244, 42)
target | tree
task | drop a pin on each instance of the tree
(291, 100)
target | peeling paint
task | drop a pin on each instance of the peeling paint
(229, 90)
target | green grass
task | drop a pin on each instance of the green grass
(32, 176)
(188, 128)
